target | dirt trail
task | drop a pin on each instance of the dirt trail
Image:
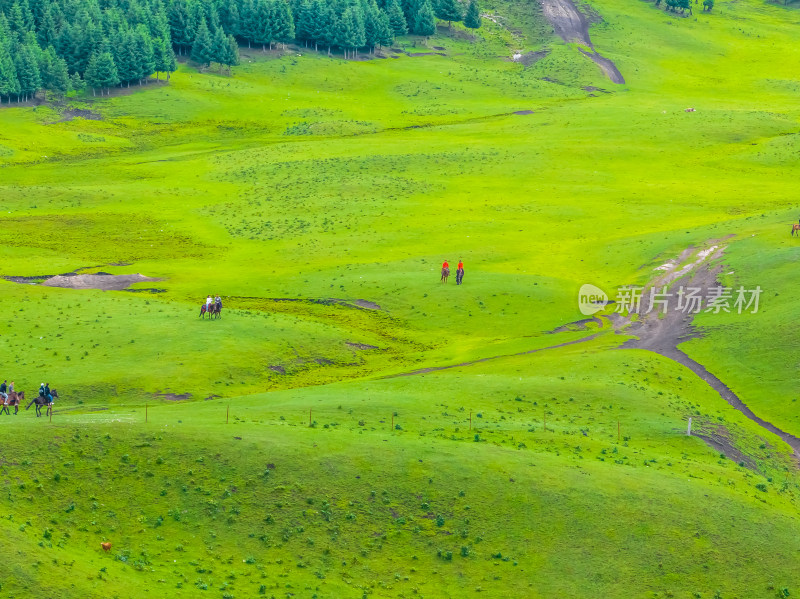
(571, 25)
(662, 335)
(470, 363)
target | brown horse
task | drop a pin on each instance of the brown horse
(42, 401)
(14, 399)
(796, 228)
(445, 274)
(215, 311)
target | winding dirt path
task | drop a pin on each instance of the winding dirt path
(571, 25)
(662, 335)
(470, 363)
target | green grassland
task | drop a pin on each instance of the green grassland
(303, 184)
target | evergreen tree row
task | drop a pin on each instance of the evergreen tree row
(58, 45)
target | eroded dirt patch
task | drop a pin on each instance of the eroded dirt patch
(360, 345)
(173, 396)
(104, 281)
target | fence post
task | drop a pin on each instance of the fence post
(689, 429)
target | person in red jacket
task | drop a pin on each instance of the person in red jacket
(445, 271)
(460, 272)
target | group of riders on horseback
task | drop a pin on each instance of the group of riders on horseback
(211, 307)
(10, 398)
(459, 271)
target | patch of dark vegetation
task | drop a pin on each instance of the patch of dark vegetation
(524, 112)
(147, 290)
(426, 54)
(173, 396)
(360, 345)
(80, 113)
(278, 369)
(592, 88)
(718, 437)
(32, 280)
(530, 58)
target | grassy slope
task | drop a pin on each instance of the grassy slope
(287, 182)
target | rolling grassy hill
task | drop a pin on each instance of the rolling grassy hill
(319, 198)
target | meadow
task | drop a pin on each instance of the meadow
(351, 427)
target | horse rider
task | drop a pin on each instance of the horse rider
(41, 391)
(459, 272)
(11, 388)
(4, 391)
(47, 394)
(218, 302)
(209, 301)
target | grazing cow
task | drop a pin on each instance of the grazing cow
(106, 547)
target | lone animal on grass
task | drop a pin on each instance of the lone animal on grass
(14, 400)
(795, 229)
(106, 546)
(42, 401)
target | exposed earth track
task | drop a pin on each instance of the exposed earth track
(571, 25)
(662, 335)
(480, 360)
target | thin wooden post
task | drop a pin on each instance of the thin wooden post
(470, 420)
(227, 413)
(309, 416)
(689, 430)
(392, 422)
(51, 413)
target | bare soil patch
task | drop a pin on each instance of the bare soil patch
(571, 25)
(278, 369)
(72, 113)
(663, 335)
(530, 58)
(524, 112)
(104, 281)
(360, 345)
(173, 396)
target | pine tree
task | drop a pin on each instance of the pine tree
(231, 57)
(248, 25)
(59, 77)
(202, 49)
(397, 19)
(27, 71)
(283, 31)
(101, 72)
(424, 22)
(76, 83)
(385, 37)
(178, 18)
(263, 19)
(350, 33)
(304, 26)
(219, 47)
(9, 84)
(448, 10)
(473, 17)
(163, 58)
(322, 23)
(46, 32)
(143, 46)
(371, 25)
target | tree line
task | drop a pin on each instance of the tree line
(61, 45)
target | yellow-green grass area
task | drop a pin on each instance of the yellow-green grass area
(539, 497)
(319, 198)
